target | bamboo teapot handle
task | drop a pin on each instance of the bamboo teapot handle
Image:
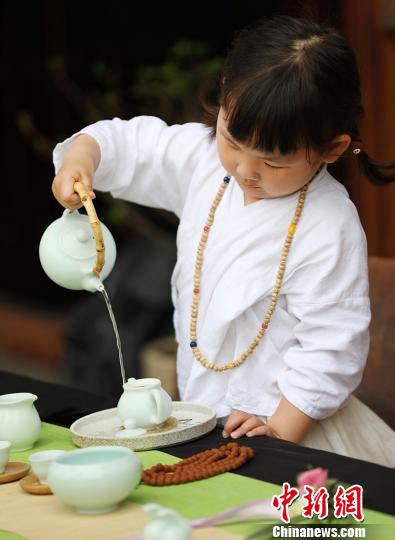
(95, 224)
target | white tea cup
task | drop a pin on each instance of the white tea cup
(4, 454)
(40, 462)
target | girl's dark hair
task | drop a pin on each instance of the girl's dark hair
(288, 83)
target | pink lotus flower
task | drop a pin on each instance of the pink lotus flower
(315, 478)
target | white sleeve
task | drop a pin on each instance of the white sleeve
(143, 160)
(329, 298)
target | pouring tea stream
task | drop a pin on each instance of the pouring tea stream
(78, 252)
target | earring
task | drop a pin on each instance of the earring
(356, 151)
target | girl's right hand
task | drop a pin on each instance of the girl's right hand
(63, 184)
(79, 164)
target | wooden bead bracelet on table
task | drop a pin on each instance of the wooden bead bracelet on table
(199, 466)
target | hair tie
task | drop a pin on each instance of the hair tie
(357, 144)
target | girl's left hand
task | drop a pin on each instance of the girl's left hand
(241, 423)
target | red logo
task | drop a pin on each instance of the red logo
(316, 502)
(284, 500)
(348, 502)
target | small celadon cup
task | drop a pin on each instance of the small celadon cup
(40, 462)
(4, 454)
(95, 479)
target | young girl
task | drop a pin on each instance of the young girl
(270, 289)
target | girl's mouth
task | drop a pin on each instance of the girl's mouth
(250, 187)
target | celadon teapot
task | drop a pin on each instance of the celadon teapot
(143, 404)
(72, 248)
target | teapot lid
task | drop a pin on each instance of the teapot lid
(75, 236)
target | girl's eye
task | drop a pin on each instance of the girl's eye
(272, 166)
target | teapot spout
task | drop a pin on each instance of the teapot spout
(92, 283)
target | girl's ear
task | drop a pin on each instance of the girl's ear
(336, 148)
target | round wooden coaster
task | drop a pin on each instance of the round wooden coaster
(32, 484)
(14, 471)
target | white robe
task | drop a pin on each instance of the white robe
(316, 346)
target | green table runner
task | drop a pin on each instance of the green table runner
(193, 500)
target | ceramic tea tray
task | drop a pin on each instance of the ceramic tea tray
(188, 421)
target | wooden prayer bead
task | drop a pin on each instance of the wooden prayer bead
(199, 466)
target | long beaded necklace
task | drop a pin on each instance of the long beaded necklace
(276, 290)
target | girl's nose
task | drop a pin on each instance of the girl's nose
(247, 174)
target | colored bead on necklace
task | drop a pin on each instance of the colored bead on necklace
(276, 290)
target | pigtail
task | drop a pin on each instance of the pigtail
(380, 173)
(375, 171)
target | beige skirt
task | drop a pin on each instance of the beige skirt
(355, 431)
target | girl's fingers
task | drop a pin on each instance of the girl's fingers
(67, 196)
(87, 181)
(234, 420)
(246, 427)
(63, 188)
(259, 430)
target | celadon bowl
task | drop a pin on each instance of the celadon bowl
(96, 479)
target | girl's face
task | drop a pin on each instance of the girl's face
(263, 176)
